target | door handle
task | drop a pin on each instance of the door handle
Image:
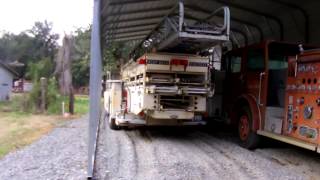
(260, 86)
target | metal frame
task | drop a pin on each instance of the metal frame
(144, 33)
(95, 88)
(241, 8)
(129, 26)
(130, 2)
(259, 29)
(158, 9)
(131, 30)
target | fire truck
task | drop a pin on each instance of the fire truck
(272, 89)
(160, 89)
(169, 82)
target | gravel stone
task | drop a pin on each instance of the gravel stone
(156, 153)
(62, 154)
(196, 153)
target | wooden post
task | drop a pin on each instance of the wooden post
(44, 86)
(71, 101)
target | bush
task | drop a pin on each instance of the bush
(54, 100)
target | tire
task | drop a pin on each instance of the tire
(247, 137)
(112, 124)
(105, 120)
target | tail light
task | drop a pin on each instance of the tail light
(141, 114)
(142, 61)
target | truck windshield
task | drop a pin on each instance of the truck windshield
(256, 60)
(277, 62)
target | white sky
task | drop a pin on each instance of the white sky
(66, 15)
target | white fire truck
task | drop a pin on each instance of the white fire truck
(167, 88)
(160, 89)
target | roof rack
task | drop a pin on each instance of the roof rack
(175, 34)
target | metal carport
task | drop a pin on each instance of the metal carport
(251, 22)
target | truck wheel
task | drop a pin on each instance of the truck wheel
(105, 119)
(112, 124)
(248, 138)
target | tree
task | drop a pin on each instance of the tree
(46, 40)
(30, 46)
(81, 57)
(63, 70)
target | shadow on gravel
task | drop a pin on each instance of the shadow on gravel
(215, 130)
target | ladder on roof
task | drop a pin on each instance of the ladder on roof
(175, 33)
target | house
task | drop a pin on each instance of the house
(6, 81)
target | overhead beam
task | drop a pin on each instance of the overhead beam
(127, 39)
(107, 28)
(133, 33)
(303, 11)
(130, 30)
(128, 35)
(128, 26)
(156, 27)
(254, 11)
(242, 34)
(117, 2)
(133, 19)
(136, 11)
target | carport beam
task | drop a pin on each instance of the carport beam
(304, 12)
(256, 12)
(95, 88)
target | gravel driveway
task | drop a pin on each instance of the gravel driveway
(62, 154)
(189, 153)
(156, 153)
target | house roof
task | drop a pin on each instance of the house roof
(5, 66)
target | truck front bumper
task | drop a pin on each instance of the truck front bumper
(128, 120)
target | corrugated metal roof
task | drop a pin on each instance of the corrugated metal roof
(251, 21)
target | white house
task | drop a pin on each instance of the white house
(6, 81)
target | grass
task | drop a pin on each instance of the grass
(18, 128)
(81, 105)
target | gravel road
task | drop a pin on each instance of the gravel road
(62, 154)
(197, 153)
(156, 153)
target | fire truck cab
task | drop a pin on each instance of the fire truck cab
(272, 89)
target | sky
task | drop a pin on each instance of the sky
(66, 15)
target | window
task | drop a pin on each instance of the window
(235, 62)
(277, 62)
(256, 60)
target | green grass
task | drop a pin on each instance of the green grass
(19, 128)
(81, 105)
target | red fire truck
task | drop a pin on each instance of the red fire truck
(272, 89)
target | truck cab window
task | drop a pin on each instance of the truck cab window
(278, 71)
(256, 60)
(235, 64)
(277, 62)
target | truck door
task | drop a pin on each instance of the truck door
(255, 75)
(233, 84)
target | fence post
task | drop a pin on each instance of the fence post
(44, 87)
